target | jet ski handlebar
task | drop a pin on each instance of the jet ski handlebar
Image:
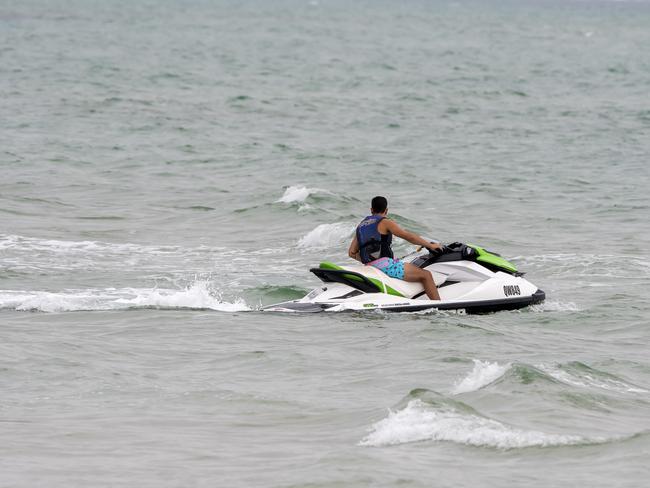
(439, 251)
(444, 249)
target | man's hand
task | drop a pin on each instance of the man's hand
(353, 250)
(433, 246)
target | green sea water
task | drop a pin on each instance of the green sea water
(168, 167)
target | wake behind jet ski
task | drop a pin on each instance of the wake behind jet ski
(469, 279)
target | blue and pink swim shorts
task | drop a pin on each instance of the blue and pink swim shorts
(392, 267)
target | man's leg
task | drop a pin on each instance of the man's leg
(413, 273)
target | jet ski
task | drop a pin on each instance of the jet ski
(470, 279)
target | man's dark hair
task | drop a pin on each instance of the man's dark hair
(379, 204)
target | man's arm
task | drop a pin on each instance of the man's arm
(353, 251)
(396, 230)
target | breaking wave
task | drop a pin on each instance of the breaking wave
(419, 421)
(298, 194)
(581, 375)
(482, 375)
(197, 296)
(327, 235)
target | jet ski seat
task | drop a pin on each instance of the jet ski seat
(368, 279)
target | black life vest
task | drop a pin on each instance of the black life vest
(372, 244)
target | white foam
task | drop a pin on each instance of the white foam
(554, 306)
(304, 207)
(196, 296)
(35, 254)
(25, 244)
(327, 235)
(298, 194)
(426, 311)
(43, 301)
(586, 265)
(481, 375)
(587, 380)
(419, 422)
(54, 245)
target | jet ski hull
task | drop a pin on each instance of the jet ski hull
(374, 302)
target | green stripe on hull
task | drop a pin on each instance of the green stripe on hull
(487, 257)
(328, 265)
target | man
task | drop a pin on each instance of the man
(371, 245)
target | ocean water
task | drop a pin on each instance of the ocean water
(167, 167)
